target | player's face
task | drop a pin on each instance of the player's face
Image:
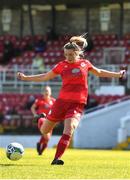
(71, 55)
(47, 91)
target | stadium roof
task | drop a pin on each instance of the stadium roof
(73, 3)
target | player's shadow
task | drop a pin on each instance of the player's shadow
(4, 165)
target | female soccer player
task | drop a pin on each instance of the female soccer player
(73, 94)
(40, 109)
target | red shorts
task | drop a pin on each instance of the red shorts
(63, 110)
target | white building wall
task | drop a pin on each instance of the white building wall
(28, 141)
(99, 129)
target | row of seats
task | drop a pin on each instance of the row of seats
(52, 58)
(54, 51)
(16, 105)
(30, 38)
(14, 101)
(27, 58)
(23, 98)
(63, 39)
(14, 39)
(103, 99)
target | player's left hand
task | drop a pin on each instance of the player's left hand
(123, 74)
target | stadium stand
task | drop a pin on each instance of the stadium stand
(16, 114)
(54, 52)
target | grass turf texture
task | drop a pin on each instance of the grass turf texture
(79, 164)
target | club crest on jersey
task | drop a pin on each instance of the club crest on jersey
(75, 70)
(82, 64)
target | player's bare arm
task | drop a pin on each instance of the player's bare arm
(33, 109)
(104, 73)
(37, 78)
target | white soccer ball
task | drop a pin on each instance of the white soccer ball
(14, 151)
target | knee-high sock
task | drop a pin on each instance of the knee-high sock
(62, 145)
(42, 140)
(43, 143)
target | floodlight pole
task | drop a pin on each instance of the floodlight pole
(121, 29)
(87, 19)
(21, 21)
(30, 17)
(53, 13)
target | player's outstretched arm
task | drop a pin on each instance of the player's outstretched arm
(33, 109)
(36, 78)
(109, 74)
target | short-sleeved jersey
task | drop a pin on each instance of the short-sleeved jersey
(74, 80)
(43, 105)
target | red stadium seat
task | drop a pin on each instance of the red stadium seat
(54, 52)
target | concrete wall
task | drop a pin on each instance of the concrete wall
(41, 21)
(71, 21)
(127, 21)
(99, 129)
(27, 141)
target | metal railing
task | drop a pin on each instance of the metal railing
(10, 84)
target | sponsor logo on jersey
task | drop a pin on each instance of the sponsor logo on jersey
(75, 70)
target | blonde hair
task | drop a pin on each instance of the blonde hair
(77, 43)
(72, 45)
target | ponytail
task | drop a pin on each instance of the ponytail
(80, 40)
(77, 43)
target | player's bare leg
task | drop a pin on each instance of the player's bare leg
(42, 144)
(47, 127)
(69, 126)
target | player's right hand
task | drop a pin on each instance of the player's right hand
(21, 76)
(38, 116)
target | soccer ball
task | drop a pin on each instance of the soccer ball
(14, 151)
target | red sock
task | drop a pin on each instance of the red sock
(42, 140)
(43, 143)
(43, 147)
(62, 145)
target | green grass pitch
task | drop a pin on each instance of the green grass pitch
(79, 164)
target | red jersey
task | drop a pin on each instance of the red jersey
(43, 105)
(74, 80)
